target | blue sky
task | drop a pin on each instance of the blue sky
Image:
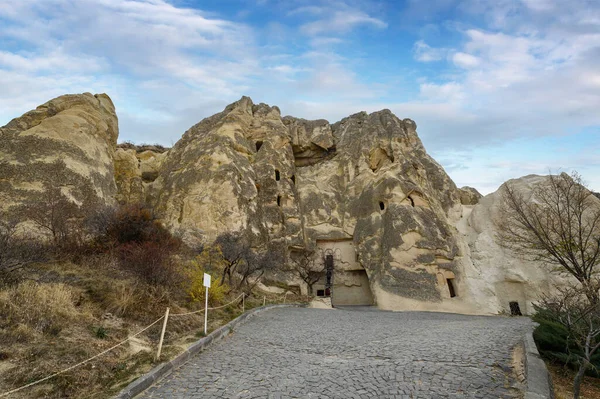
(499, 89)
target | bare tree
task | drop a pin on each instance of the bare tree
(52, 211)
(558, 224)
(304, 265)
(255, 264)
(235, 249)
(16, 251)
(572, 309)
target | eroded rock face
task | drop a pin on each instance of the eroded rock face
(495, 276)
(233, 171)
(366, 180)
(128, 177)
(67, 142)
(136, 168)
(362, 193)
(469, 195)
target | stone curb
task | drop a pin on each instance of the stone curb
(145, 381)
(539, 382)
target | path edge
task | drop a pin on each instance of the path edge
(538, 379)
(147, 380)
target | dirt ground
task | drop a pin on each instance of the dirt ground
(562, 379)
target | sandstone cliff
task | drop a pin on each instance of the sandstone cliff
(362, 193)
(67, 142)
(496, 276)
(363, 189)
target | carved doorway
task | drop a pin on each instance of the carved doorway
(329, 265)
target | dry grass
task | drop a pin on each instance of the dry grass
(562, 379)
(54, 322)
(44, 308)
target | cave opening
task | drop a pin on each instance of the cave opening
(450, 282)
(277, 175)
(293, 179)
(279, 200)
(515, 310)
(381, 205)
(258, 145)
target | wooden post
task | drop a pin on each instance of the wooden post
(162, 334)
(264, 300)
(243, 302)
(206, 312)
(285, 297)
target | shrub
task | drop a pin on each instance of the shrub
(552, 340)
(143, 245)
(152, 262)
(137, 224)
(195, 289)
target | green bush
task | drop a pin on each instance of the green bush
(552, 340)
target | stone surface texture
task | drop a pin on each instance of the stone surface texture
(135, 171)
(495, 275)
(67, 142)
(312, 353)
(469, 195)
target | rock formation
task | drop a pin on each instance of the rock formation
(136, 167)
(469, 195)
(67, 142)
(363, 189)
(362, 193)
(494, 275)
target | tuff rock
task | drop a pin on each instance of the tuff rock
(68, 142)
(362, 193)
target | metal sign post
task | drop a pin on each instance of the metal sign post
(206, 287)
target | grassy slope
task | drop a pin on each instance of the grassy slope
(65, 313)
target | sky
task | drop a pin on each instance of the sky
(498, 89)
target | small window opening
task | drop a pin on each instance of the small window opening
(277, 176)
(515, 310)
(357, 257)
(381, 205)
(412, 202)
(320, 292)
(279, 200)
(293, 179)
(450, 282)
(258, 145)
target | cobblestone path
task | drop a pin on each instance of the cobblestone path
(310, 353)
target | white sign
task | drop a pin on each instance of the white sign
(207, 280)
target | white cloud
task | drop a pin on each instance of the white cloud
(451, 92)
(340, 22)
(465, 60)
(425, 53)
(326, 19)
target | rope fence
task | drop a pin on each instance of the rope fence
(202, 310)
(80, 363)
(164, 318)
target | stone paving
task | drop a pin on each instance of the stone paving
(354, 353)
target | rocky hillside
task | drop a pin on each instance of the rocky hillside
(363, 191)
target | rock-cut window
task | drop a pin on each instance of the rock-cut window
(277, 175)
